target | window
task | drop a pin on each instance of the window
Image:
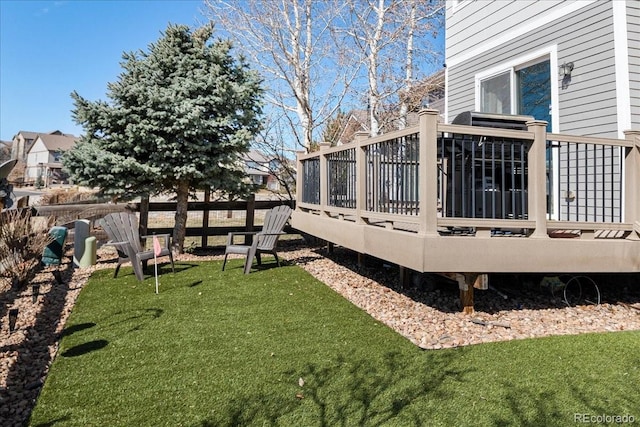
(524, 89)
(495, 94)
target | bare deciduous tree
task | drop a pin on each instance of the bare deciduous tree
(378, 30)
(291, 43)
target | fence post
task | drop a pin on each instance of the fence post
(537, 176)
(324, 173)
(205, 218)
(144, 215)
(361, 175)
(249, 221)
(428, 173)
(632, 182)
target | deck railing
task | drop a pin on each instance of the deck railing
(438, 179)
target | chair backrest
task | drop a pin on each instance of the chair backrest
(122, 227)
(53, 252)
(274, 222)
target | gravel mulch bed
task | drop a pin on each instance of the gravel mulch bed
(427, 315)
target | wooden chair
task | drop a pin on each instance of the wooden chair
(122, 230)
(264, 241)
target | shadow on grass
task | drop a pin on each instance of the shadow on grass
(85, 348)
(70, 330)
(138, 318)
(393, 388)
(54, 422)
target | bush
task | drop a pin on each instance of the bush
(67, 195)
(22, 240)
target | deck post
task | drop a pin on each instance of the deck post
(632, 182)
(428, 173)
(537, 165)
(361, 175)
(324, 170)
(299, 178)
(465, 282)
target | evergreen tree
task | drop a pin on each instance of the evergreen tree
(179, 116)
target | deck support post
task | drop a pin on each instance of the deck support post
(405, 277)
(299, 181)
(361, 175)
(631, 182)
(466, 293)
(537, 178)
(330, 247)
(428, 173)
(466, 283)
(361, 259)
(324, 170)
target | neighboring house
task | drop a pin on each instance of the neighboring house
(261, 169)
(22, 142)
(43, 165)
(574, 64)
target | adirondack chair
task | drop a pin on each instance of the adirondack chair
(264, 241)
(122, 230)
(54, 251)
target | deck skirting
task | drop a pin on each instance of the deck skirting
(479, 253)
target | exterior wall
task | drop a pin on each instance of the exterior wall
(483, 36)
(19, 147)
(481, 18)
(37, 154)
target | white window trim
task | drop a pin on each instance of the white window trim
(621, 49)
(550, 52)
(459, 4)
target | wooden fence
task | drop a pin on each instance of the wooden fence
(150, 211)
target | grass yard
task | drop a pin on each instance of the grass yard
(277, 347)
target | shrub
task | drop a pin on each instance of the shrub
(22, 240)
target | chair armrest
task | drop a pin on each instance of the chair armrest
(165, 237)
(238, 233)
(112, 243)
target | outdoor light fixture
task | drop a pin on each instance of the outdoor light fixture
(566, 69)
(13, 318)
(35, 291)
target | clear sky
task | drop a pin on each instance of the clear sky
(48, 49)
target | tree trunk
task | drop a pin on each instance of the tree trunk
(180, 228)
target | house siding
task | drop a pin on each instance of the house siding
(37, 154)
(471, 17)
(584, 37)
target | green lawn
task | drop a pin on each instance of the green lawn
(224, 349)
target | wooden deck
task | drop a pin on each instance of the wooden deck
(407, 198)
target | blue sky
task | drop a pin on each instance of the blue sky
(50, 48)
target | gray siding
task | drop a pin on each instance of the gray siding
(633, 29)
(467, 23)
(584, 37)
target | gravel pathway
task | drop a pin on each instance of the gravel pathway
(427, 316)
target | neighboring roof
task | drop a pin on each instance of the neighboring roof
(6, 143)
(57, 142)
(27, 134)
(255, 156)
